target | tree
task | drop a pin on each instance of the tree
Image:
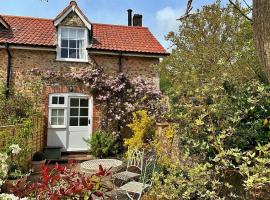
(222, 106)
(214, 42)
(261, 16)
(261, 26)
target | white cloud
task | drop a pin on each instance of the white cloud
(166, 22)
(166, 19)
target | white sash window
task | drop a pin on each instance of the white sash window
(72, 44)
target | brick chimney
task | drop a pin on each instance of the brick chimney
(137, 20)
(129, 17)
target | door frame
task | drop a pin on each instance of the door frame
(58, 131)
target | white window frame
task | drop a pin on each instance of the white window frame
(85, 52)
(57, 106)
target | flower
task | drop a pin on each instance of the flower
(10, 197)
(3, 167)
(15, 149)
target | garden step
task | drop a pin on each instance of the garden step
(73, 156)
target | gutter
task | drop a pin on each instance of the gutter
(124, 53)
(9, 70)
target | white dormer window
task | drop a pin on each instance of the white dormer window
(72, 44)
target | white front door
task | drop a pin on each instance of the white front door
(79, 122)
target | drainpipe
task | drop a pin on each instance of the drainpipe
(9, 71)
(120, 69)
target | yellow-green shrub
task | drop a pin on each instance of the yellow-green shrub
(142, 128)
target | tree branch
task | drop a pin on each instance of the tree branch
(249, 6)
(188, 10)
(240, 10)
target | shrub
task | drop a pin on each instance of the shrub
(17, 108)
(61, 182)
(221, 109)
(142, 128)
(103, 144)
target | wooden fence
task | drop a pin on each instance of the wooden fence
(31, 137)
(170, 145)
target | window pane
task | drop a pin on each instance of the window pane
(54, 112)
(72, 44)
(64, 53)
(64, 43)
(72, 33)
(80, 34)
(64, 33)
(60, 120)
(84, 102)
(54, 100)
(61, 112)
(80, 54)
(54, 121)
(61, 100)
(74, 111)
(72, 53)
(80, 44)
(84, 121)
(74, 102)
(84, 112)
(73, 121)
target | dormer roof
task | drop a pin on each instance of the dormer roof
(72, 7)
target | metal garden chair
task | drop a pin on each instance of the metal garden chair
(135, 189)
(135, 162)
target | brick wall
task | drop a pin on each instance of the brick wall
(3, 65)
(24, 60)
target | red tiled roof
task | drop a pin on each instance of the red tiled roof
(125, 38)
(28, 31)
(42, 32)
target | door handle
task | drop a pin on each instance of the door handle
(89, 121)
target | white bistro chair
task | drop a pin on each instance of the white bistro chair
(135, 163)
(135, 189)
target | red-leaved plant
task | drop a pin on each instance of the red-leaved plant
(61, 182)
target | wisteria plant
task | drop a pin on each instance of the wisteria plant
(116, 96)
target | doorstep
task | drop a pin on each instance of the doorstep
(74, 156)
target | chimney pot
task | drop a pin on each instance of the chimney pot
(137, 20)
(129, 17)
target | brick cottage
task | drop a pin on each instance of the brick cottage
(69, 42)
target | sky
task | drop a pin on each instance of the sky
(159, 15)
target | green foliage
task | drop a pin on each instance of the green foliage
(16, 108)
(215, 42)
(103, 144)
(24, 133)
(221, 106)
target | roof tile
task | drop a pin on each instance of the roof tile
(42, 32)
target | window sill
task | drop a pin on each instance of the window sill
(71, 60)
